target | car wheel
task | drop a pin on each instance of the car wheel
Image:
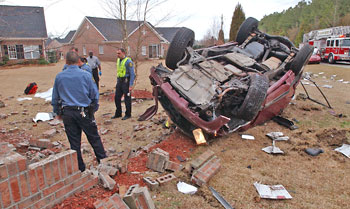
(255, 97)
(330, 59)
(248, 26)
(183, 38)
(301, 59)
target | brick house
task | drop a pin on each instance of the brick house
(22, 32)
(104, 35)
(59, 46)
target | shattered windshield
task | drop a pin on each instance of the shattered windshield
(346, 42)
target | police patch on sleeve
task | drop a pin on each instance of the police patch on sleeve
(130, 64)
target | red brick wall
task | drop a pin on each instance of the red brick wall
(42, 184)
(89, 37)
(21, 42)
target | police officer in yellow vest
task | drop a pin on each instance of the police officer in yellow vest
(125, 81)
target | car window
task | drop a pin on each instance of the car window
(336, 42)
(328, 42)
(332, 43)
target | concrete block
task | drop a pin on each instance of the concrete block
(49, 133)
(206, 171)
(165, 179)
(152, 184)
(143, 198)
(110, 170)
(107, 181)
(129, 197)
(158, 160)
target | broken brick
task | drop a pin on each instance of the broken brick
(49, 133)
(206, 171)
(158, 160)
(172, 166)
(107, 181)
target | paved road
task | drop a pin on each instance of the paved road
(340, 64)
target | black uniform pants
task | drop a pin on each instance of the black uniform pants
(74, 124)
(96, 77)
(122, 88)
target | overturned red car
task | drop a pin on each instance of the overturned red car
(230, 87)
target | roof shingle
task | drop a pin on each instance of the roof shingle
(22, 22)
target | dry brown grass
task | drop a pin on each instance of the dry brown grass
(314, 182)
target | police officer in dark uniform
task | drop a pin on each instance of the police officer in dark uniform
(75, 99)
(125, 81)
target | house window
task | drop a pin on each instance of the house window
(144, 51)
(84, 50)
(31, 52)
(12, 52)
(20, 52)
(153, 51)
(100, 49)
(143, 32)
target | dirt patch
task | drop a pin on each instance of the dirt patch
(334, 137)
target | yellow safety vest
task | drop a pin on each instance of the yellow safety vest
(121, 69)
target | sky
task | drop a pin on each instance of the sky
(199, 15)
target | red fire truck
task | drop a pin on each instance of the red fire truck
(332, 43)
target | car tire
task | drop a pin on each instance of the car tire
(331, 59)
(248, 26)
(301, 59)
(183, 38)
(255, 97)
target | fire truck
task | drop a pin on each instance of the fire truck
(333, 43)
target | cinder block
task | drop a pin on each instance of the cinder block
(152, 184)
(129, 197)
(107, 169)
(201, 159)
(107, 181)
(165, 179)
(158, 160)
(206, 171)
(172, 166)
(143, 198)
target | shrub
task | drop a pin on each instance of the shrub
(42, 61)
(5, 59)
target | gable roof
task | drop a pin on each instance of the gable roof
(167, 32)
(22, 22)
(68, 37)
(111, 28)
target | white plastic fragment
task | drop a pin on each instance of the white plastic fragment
(277, 192)
(327, 86)
(321, 73)
(346, 82)
(43, 116)
(47, 95)
(248, 137)
(277, 136)
(272, 149)
(186, 188)
(24, 98)
(345, 150)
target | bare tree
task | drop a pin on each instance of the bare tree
(124, 10)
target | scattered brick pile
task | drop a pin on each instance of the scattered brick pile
(41, 184)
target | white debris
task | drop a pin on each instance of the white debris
(272, 149)
(248, 137)
(24, 98)
(47, 95)
(43, 116)
(306, 83)
(345, 149)
(277, 136)
(346, 82)
(321, 73)
(272, 191)
(327, 86)
(186, 188)
(341, 80)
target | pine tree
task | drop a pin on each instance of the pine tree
(221, 37)
(237, 19)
